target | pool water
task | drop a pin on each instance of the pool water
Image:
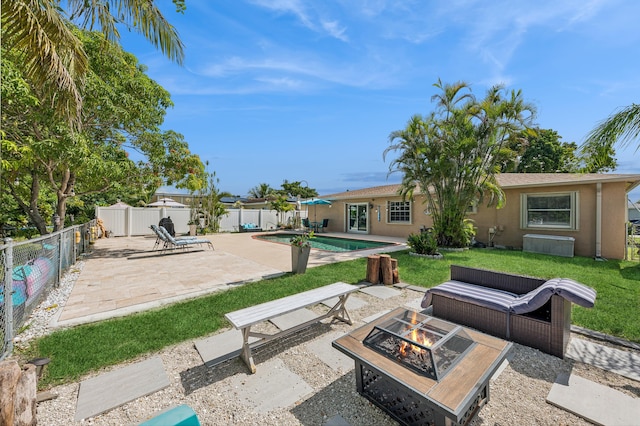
(327, 243)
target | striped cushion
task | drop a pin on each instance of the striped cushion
(574, 292)
(504, 301)
(478, 295)
(533, 300)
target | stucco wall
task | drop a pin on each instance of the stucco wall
(507, 220)
(337, 215)
(510, 233)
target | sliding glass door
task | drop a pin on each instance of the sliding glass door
(357, 215)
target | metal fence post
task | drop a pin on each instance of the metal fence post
(8, 299)
(60, 248)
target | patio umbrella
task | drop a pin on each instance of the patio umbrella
(166, 202)
(314, 202)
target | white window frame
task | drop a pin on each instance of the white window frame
(527, 223)
(408, 210)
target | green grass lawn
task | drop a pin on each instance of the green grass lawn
(77, 351)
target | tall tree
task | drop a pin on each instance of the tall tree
(295, 189)
(263, 190)
(453, 155)
(538, 150)
(52, 57)
(621, 128)
(124, 109)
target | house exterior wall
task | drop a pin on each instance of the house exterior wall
(338, 216)
(613, 231)
(507, 220)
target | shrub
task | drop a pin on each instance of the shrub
(423, 243)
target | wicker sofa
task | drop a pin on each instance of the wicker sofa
(468, 299)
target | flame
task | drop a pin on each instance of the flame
(418, 337)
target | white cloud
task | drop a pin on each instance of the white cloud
(293, 69)
(293, 7)
(285, 83)
(335, 30)
(307, 15)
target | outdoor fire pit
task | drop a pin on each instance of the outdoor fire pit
(423, 370)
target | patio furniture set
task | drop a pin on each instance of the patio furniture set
(315, 226)
(435, 369)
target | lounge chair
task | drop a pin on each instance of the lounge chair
(161, 238)
(184, 243)
(170, 242)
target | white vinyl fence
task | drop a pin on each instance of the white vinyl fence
(135, 221)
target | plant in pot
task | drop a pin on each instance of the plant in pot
(193, 227)
(300, 249)
(424, 244)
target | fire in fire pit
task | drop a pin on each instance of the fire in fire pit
(424, 344)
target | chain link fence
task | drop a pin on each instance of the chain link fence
(30, 269)
(633, 241)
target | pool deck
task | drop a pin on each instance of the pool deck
(124, 275)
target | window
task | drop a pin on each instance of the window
(399, 211)
(550, 210)
(473, 208)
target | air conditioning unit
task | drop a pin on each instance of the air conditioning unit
(548, 244)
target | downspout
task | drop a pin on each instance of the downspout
(598, 221)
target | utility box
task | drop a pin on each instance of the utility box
(555, 245)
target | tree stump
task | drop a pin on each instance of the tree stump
(386, 269)
(9, 376)
(394, 269)
(17, 394)
(26, 397)
(373, 269)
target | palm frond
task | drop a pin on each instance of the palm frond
(141, 15)
(53, 59)
(622, 128)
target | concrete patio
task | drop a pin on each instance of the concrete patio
(124, 275)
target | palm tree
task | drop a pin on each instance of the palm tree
(262, 190)
(453, 155)
(622, 128)
(53, 59)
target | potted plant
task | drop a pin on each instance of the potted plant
(300, 249)
(193, 227)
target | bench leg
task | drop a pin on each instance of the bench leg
(246, 350)
(340, 310)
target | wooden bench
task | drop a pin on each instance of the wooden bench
(243, 319)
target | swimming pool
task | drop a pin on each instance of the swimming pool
(328, 243)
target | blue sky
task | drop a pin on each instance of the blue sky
(310, 90)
